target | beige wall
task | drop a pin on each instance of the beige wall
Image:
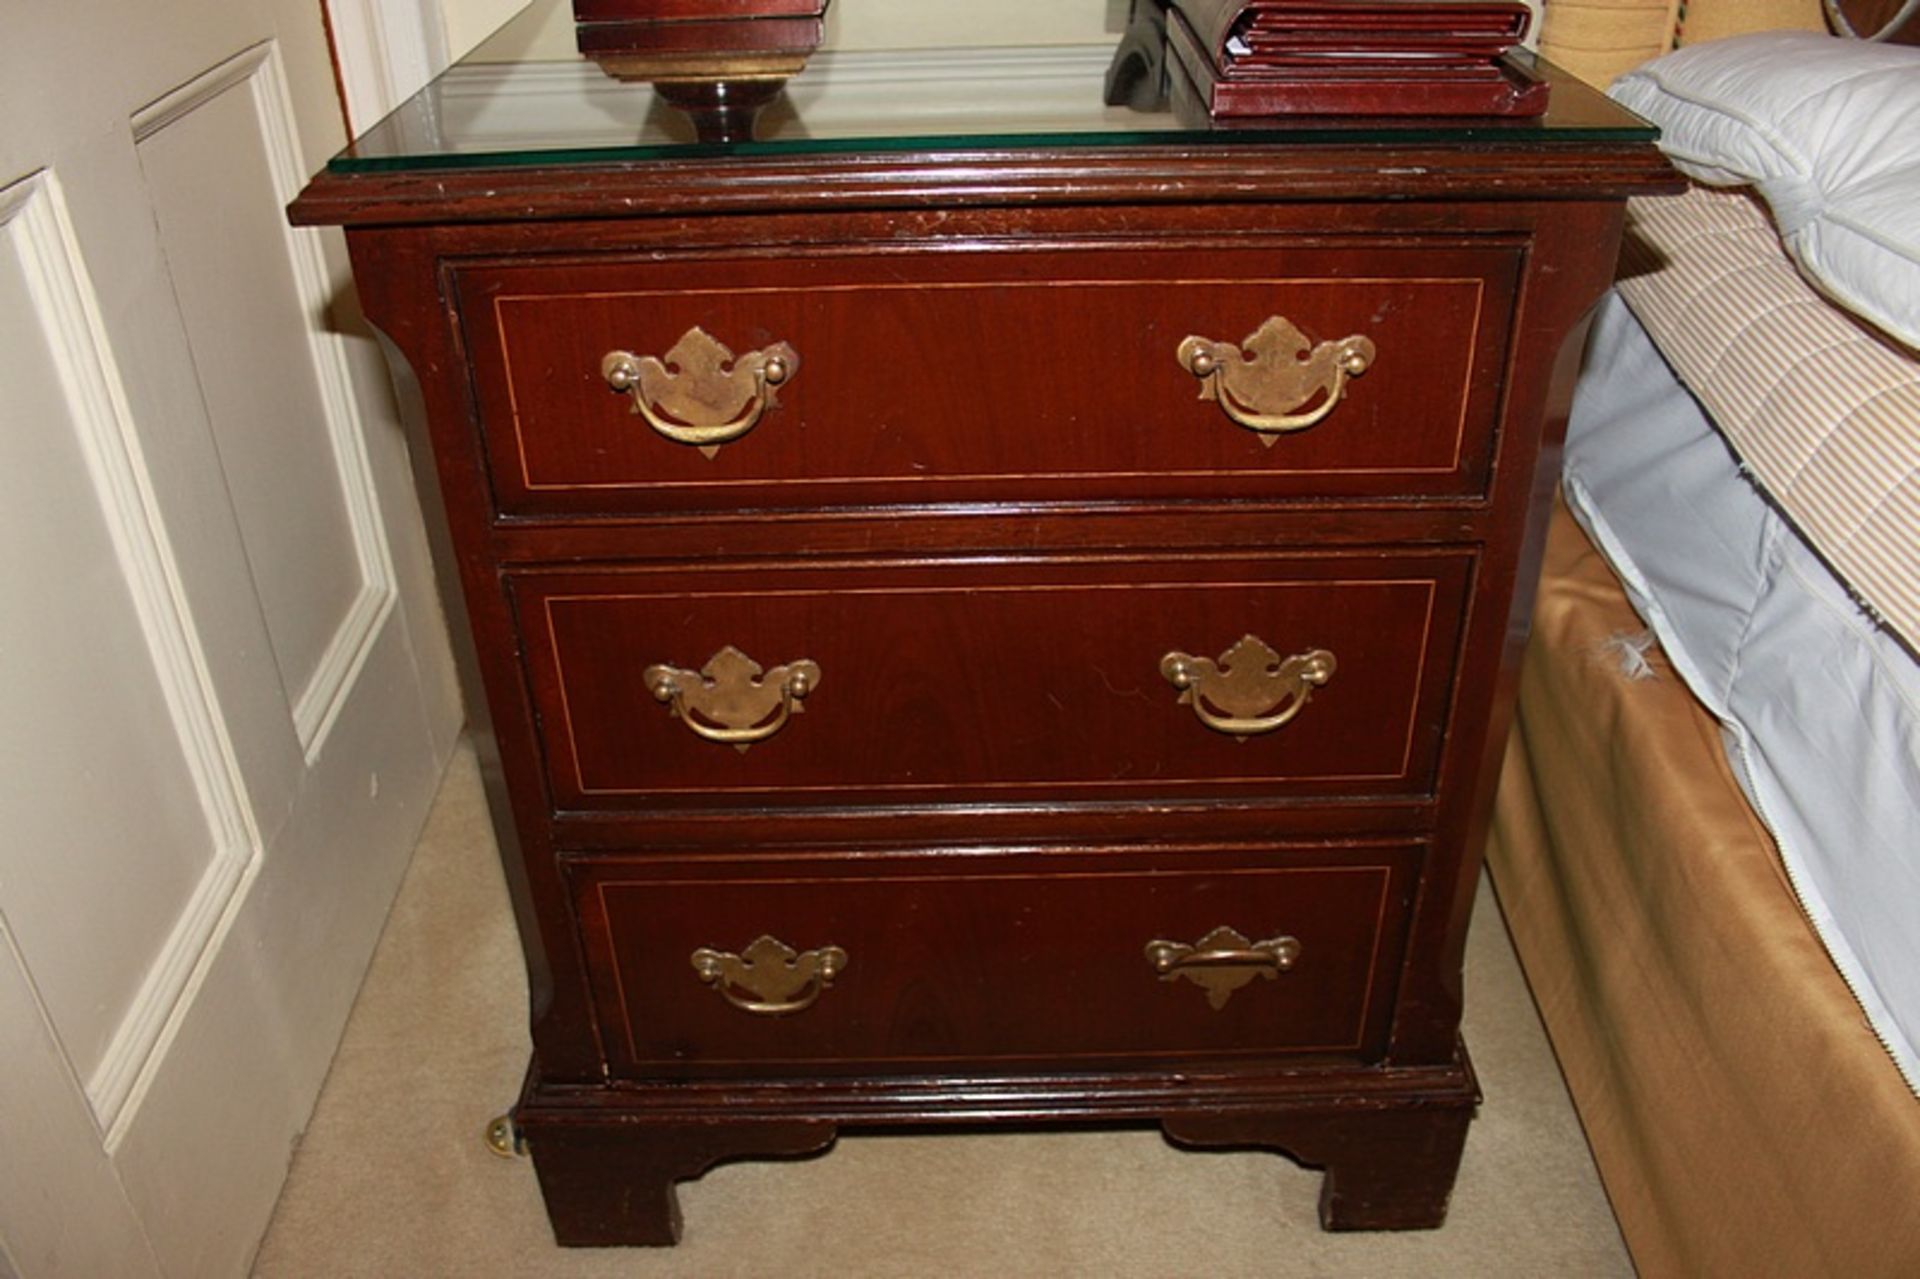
(471, 21)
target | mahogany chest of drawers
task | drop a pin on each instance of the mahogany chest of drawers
(991, 629)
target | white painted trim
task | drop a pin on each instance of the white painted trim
(197, 92)
(260, 71)
(360, 53)
(63, 297)
(385, 51)
(139, 1043)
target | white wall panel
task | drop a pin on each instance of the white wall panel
(127, 830)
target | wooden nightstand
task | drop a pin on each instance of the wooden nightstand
(984, 607)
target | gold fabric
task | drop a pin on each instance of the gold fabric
(1716, 19)
(1598, 40)
(1743, 1116)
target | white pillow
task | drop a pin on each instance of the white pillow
(1828, 130)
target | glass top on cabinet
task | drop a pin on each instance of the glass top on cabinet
(526, 97)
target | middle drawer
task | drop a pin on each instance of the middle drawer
(1111, 679)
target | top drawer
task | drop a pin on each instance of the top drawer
(1010, 375)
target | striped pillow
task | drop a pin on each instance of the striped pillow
(1824, 411)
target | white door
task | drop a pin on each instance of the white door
(225, 697)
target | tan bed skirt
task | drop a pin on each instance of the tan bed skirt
(1744, 1118)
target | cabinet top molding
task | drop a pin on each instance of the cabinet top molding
(542, 140)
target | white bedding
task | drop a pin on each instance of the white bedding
(1821, 707)
(1828, 131)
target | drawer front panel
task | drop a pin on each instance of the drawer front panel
(1050, 961)
(973, 376)
(962, 683)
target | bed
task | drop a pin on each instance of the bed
(1707, 841)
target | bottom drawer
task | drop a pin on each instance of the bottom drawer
(996, 961)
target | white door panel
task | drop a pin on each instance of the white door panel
(228, 697)
(91, 730)
(321, 895)
(42, 1110)
(207, 176)
(108, 709)
(219, 163)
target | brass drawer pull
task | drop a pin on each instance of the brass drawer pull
(700, 394)
(1223, 961)
(770, 977)
(1250, 689)
(731, 700)
(1263, 387)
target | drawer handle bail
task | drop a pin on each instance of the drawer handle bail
(1250, 689)
(731, 700)
(700, 394)
(769, 977)
(1223, 961)
(1263, 386)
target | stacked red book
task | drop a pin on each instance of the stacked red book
(1355, 57)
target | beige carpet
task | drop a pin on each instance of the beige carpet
(392, 1178)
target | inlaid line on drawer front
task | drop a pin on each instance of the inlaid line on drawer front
(941, 966)
(585, 789)
(1346, 1044)
(1061, 678)
(1017, 374)
(502, 327)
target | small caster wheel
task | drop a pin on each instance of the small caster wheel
(504, 1137)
